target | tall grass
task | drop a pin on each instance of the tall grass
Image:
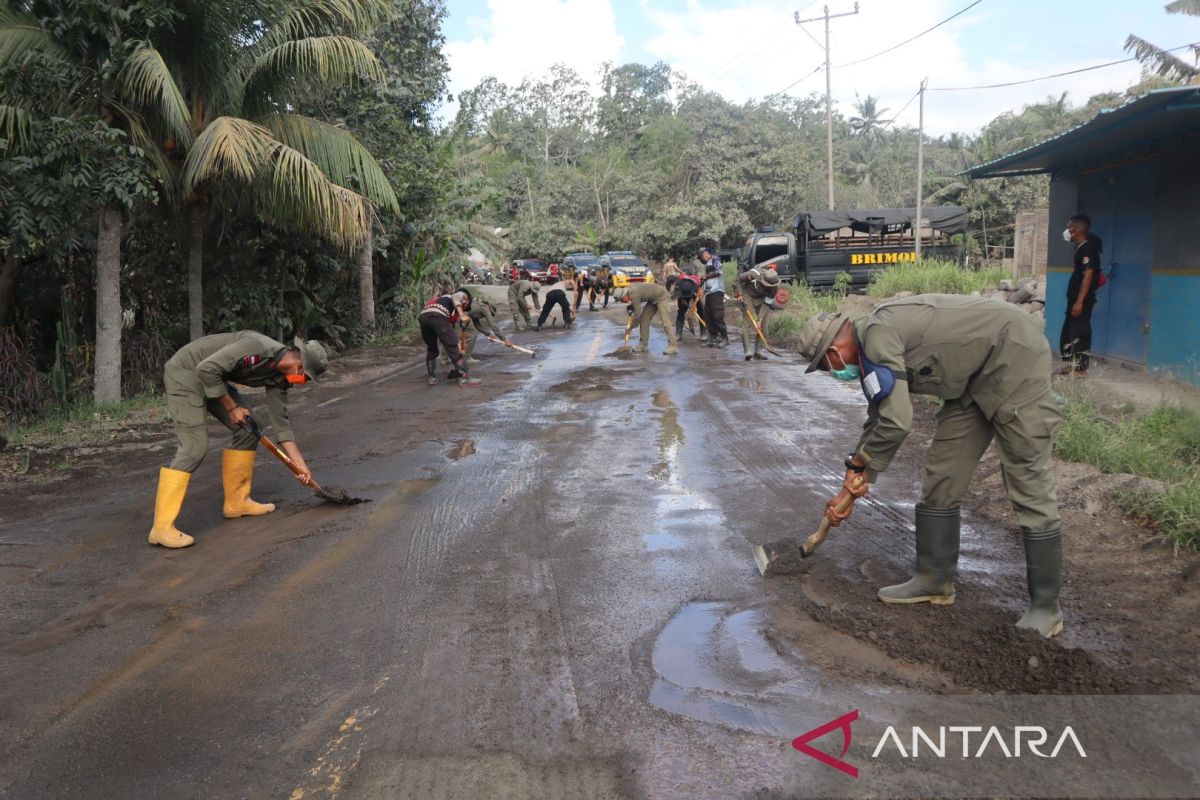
(933, 276)
(1163, 444)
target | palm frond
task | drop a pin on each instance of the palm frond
(21, 37)
(140, 136)
(1184, 7)
(1159, 60)
(15, 128)
(335, 150)
(149, 83)
(295, 193)
(317, 17)
(229, 147)
(310, 63)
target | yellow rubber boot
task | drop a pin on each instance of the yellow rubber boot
(237, 471)
(172, 486)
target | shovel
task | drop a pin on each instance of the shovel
(329, 495)
(783, 557)
(514, 347)
(758, 328)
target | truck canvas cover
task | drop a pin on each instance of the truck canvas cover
(946, 219)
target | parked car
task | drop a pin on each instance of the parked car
(580, 262)
(533, 269)
(626, 268)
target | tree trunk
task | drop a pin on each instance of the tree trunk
(196, 270)
(529, 191)
(9, 275)
(366, 281)
(108, 307)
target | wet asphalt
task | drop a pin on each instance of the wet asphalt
(549, 594)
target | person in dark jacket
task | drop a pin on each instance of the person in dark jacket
(1075, 342)
(438, 320)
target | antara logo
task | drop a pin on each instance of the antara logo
(801, 743)
(1033, 737)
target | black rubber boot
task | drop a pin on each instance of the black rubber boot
(431, 369)
(937, 560)
(1043, 572)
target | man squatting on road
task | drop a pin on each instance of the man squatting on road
(755, 289)
(517, 293)
(657, 301)
(990, 364)
(197, 379)
(437, 320)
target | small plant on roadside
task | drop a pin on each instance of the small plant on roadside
(1163, 444)
(933, 276)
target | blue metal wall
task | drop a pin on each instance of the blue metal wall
(1121, 205)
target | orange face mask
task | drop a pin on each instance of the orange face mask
(297, 380)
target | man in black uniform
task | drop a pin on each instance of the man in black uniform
(582, 282)
(1075, 343)
(555, 297)
(601, 284)
(684, 288)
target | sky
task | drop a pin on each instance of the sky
(754, 48)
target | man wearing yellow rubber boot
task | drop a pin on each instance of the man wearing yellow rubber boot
(197, 380)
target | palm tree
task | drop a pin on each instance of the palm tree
(867, 120)
(1159, 60)
(245, 70)
(102, 74)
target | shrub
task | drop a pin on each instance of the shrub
(933, 276)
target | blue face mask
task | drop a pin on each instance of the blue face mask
(848, 372)
(851, 372)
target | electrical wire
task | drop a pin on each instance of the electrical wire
(903, 108)
(1047, 77)
(910, 39)
(804, 77)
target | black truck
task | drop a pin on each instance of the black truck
(819, 245)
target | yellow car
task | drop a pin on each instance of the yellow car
(626, 269)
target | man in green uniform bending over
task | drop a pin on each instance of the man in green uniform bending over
(198, 379)
(990, 363)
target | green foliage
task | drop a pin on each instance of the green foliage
(1163, 444)
(933, 276)
(68, 375)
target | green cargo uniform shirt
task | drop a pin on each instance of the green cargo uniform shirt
(483, 320)
(754, 295)
(990, 362)
(657, 300)
(201, 372)
(517, 293)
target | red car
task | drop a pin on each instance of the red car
(534, 270)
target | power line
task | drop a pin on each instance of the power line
(903, 108)
(911, 38)
(806, 76)
(1055, 75)
(728, 67)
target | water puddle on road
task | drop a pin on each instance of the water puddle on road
(670, 437)
(460, 448)
(715, 664)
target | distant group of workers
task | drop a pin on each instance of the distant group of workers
(986, 360)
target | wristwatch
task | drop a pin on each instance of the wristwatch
(853, 467)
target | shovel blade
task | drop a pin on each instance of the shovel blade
(778, 558)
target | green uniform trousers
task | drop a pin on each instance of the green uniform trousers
(1023, 435)
(187, 409)
(750, 342)
(649, 310)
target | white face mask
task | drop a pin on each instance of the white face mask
(1066, 234)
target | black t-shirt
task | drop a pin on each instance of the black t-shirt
(1087, 256)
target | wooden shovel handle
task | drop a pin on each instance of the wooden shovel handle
(822, 533)
(277, 451)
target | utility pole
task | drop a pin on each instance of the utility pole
(920, 167)
(828, 93)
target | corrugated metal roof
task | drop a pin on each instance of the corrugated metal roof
(1155, 116)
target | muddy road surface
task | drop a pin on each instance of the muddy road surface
(549, 594)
